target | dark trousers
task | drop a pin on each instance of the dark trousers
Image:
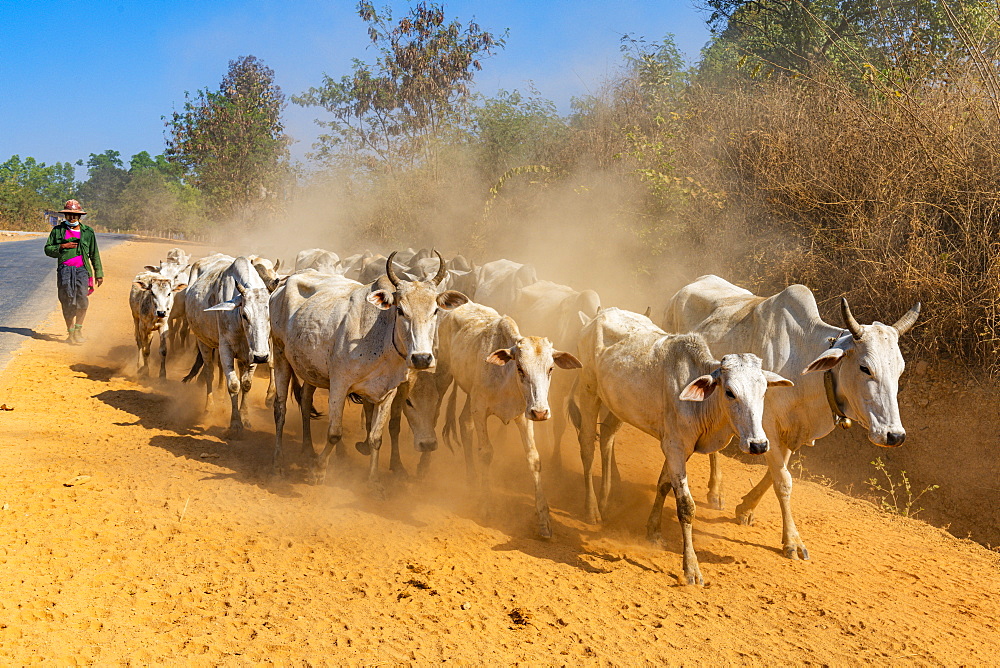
(73, 289)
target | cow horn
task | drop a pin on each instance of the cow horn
(389, 271)
(442, 270)
(849, 320)
(241, 289)
(909, 318)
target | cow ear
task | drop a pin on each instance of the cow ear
(381, 298)
(226, 306)
(450, 299)
(774, 380)
(500, 357)
(141, 285)
(152, 268)
(700, 388)
(566, 360)
(829, 359)
(178, 288)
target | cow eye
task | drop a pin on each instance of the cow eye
(865, 370)
(409, 403)
(729, 393)
(550, 370)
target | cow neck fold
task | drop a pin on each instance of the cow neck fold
(395, 317)
(840, 419)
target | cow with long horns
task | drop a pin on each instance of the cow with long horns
(357, 340)
(861, 366)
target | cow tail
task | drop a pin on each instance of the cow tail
(297, 393)
(199, 362)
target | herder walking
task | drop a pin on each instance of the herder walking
(75, 246)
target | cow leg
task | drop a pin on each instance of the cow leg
(334, 433)
(484, 450)
(777, 461)
(675, 467)
(207, 372)
(395, 420)
(715, 498)
(269, 397)
(376, 425)
(305, 407)
(140, 361)
(363, 447)
(467, 444)
(609, 427)
(228, 363)
(282, 372)
(558, 401)
(589, 405)
(526, 427)
(246, 382)
(164, 331)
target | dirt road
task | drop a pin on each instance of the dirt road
(133, 534)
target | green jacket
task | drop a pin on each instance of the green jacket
(87, 248)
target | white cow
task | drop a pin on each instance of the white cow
(501, 281)
(504, 374)
(151, 300)
(354, 339)
(663, 384)
(227, 310)
(559, 312)
(323, 261)
(862, 364)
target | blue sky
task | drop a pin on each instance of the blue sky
(82, 77)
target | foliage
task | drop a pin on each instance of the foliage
(896, 495)
(393, 111)
(791, 36)
(27, 187)
(512, 129)
(231, 142)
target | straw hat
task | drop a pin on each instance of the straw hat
(72, 206)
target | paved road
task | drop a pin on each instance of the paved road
(28, 289)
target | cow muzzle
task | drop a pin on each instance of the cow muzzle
(757, 447)
(422, 360)
(161, 314)
(894, 439)
(538, 415)
(261, 359)
(427, 446)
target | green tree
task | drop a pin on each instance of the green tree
(393, 110)
(231, 142)
(512, 129)
(791, 36)
(27, 187)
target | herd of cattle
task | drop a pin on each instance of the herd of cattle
(394, 334)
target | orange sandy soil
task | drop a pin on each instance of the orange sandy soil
(181, 548)
(15, 236)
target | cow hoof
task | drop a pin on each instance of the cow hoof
(716, 501)
(376, 490)
(593, 517)
(269, 402)
(316, 477)
(796, 552)
(233, 434)
(363, 447)
(399, 471)
(655, 539)
(695, 578)
(545, 530)
(743, 515)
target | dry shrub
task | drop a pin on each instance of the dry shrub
(887, 199)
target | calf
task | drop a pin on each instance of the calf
(506, 375)
(151, 300)
(671, 387)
